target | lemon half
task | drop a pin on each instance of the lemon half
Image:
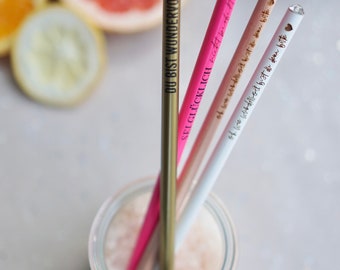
(57, 57)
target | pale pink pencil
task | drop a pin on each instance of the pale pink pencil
(199, 79)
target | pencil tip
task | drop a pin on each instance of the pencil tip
(297, 9)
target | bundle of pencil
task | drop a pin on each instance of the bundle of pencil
(178, 206)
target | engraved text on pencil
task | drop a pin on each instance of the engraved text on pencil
(258, 85)
(171, 30)
(240, 66)
(215, 44)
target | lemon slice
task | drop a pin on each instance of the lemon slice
(57, 57)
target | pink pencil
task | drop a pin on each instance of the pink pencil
(199, 79)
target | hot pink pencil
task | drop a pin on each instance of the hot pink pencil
(199, 79)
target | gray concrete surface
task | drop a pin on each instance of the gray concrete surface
(281, 183)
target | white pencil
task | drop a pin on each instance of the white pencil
(239, 118)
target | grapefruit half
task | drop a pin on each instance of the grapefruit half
(121, 16)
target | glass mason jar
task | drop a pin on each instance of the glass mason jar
(210, 244)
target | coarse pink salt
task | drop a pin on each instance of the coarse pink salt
(210, 244)
(202, 249)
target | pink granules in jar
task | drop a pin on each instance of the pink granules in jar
(210, 244)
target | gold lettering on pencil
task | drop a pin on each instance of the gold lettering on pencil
(274, 56)
(257, 33)
(282, 41)
(239, 68)
(217, 40)
(257, 86)
(252, 44)
(289, 27)
(264, 15)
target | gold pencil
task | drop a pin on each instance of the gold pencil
(170, 86)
